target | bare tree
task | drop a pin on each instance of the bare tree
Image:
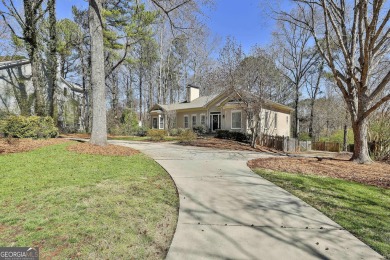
(353, 38)
(297, 57)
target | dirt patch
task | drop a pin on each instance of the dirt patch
(114, 150)
(377, 174)
(16, 145)
(225, 144)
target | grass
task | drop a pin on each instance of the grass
(86, 206)
(143, 138)
(361, 209)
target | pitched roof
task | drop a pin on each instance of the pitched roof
(204, 101)
(200, 102)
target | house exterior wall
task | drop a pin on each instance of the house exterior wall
(283, 122)
(18, 77)
(180, 118)
(227, 120)
(224, 109)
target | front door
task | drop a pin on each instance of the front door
(215, 122)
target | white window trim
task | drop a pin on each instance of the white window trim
(196, 120)
(205, 119)
(159, 122)
(276, 120)
(231, 118)
(184, 122)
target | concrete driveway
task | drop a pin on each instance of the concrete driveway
(228, 212)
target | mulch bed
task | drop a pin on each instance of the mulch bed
(225, 144)
(15, 145)
(376, 174)
(112, 150)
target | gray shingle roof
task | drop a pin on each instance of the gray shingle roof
(200, 102)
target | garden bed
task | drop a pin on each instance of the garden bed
(376, 174)
(16, 145)
(114, 150)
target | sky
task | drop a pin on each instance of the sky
(242, 19)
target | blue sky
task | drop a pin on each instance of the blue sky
(243, 20)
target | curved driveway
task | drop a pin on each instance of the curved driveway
(228, 212)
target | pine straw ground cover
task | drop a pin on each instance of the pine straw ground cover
(376, 174)
(16, 145)
(83, 206)
(112, 150)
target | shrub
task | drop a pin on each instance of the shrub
(223, 134)
(126, 123)
(338, 137)
(200, 130)
(157, 134)
(236, 136)
(187, 136)
(141, 131)
(174, 132)
(30, 127)
(241, 137)
(304, 136)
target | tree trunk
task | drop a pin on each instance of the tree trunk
(360, 153)
(52, 76)
(140, 94)
(311, 122)
(345, 147)
(39, 104)
(30, 37)
(296, 111)
(99, 119)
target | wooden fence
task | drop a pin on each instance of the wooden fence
(326, 146)
(280, 143)
(275, 142)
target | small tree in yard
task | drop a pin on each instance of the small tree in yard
(353, 38)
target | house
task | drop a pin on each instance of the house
(224, 111)
(15, 82)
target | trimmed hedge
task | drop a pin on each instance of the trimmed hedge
(236, 136)
(29, 127)
(157, 134)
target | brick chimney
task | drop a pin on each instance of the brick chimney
(192, 93)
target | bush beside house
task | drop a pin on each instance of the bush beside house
(29, 127)
(236, 136)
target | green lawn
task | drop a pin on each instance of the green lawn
(86, 206)
(363, 210)
(143, 138)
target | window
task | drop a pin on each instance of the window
(287, 119)
(266, 119)
(185, 121)
(193, 120)
(161, 122)
(236, 119)
(203, 119)
(154, 124)
(276, 121)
